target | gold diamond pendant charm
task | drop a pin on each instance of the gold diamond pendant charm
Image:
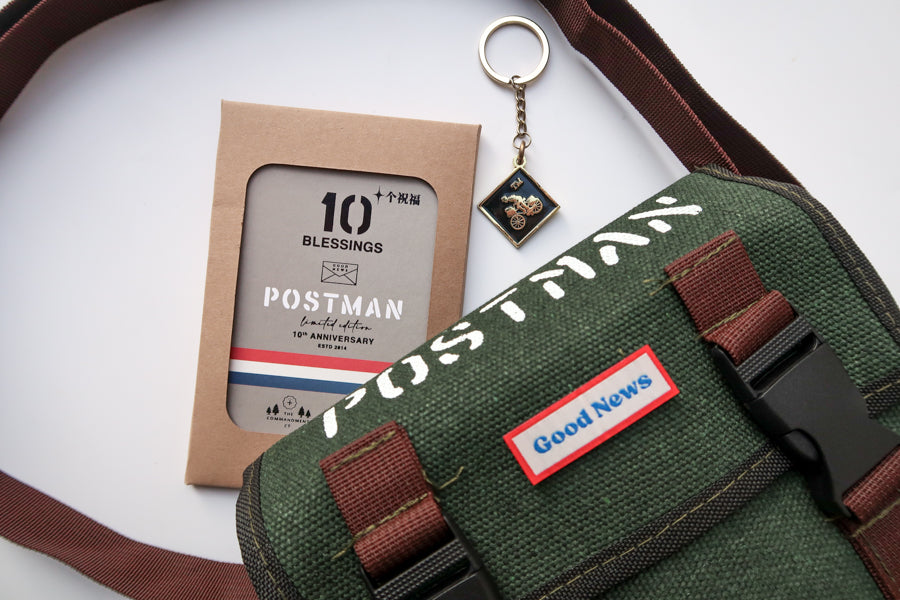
(518, 207)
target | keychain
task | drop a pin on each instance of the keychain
(518, 206)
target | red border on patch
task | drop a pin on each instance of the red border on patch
(536, 478)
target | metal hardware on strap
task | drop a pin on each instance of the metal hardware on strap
(797, 391)
(452, 572)
(408, 550)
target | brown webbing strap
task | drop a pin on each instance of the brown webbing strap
(389, 507)
(614, 36)
(36, 521)
(730, 307)
(42, 28)
(748, 154)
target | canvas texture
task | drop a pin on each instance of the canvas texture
(756, 532)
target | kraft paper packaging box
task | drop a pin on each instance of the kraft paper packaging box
(338, 243)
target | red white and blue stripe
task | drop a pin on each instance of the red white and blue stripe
(307, 372)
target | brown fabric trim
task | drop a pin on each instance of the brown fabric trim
(389, 507)
(876, 491)
(400, 541)
(752, 327)
(876, 535)
(143, 572)
(716, 280)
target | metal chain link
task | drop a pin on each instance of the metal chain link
(522, 136)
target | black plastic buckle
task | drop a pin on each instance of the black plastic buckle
(798, 392)
(452, 572)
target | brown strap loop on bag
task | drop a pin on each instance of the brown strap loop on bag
(407, 547)
(875, 534)
(389, 507)
(726, 297)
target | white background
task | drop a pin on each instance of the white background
(106, 177)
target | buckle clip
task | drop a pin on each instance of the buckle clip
(452, 572)
(798, 392)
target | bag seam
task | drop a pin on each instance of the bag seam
(868, 524)
(881, 389)
(649, 539)
(882, 564)
(836, 234)
(843, 244)
(255, 536)
(601, 587)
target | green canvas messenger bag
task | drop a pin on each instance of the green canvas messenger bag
(698, 472)
(697, 401)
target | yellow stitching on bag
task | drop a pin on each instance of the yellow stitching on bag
(876, 518)
(727, 319)
(446, 484)
(362, 451)
(884, 566)
(699, 262)
(879, 390)
(366, 531)
(256, 539)
(664, 529)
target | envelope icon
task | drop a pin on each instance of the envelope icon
(337, 272)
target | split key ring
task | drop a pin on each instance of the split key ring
(523, 22)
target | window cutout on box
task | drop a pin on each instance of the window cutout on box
(333, 286)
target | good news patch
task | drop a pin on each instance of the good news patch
(590, 415)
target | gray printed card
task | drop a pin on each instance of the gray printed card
(333, 285)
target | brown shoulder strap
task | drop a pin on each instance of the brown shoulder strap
(37, 521)
(617, 39)
(32, 30)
